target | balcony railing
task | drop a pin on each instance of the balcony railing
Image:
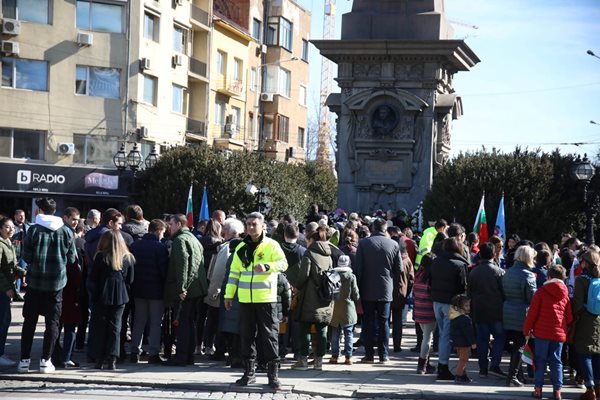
(198, 67)
(200, 15)
(230, 86)
(196, 127)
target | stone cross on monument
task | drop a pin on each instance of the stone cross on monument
(396, 62)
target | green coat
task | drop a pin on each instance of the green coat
(344, 311)
(587, 328)
(8, 266)
(311, 308)
(186, 269)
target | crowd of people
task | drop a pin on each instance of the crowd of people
(248, 292)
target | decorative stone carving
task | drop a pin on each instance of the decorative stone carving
(367, 70)
(409, 71)
(383, 121)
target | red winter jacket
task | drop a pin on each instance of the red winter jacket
(549, 312)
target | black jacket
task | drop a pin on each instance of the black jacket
(461, 330)
(283, 297)
(110, 287)
(378, 260)
(448, 277)
(485, 291)
(151, 264)
(293, 254)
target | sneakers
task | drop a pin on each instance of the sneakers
(497, 372)
(301, 364)
(462, 379)
(23, 366)
(7, 362)
(367, 360)
(483, 373)
(384, 360)
(514, 382)
(46, 366)
(69, 364)
(318, 364)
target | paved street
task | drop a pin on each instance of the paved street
(212, 380)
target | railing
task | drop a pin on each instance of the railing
(198, 67)
(200, 15)
(197, 127)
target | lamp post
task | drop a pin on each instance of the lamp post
(591, 53)
(263, 203)
(583, 171)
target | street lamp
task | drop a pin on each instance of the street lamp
(583, 171)
(594, 123)
(152, 158)
(591, 53)
(263, 204)
(120, 159)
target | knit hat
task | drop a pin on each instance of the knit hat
(343, 262)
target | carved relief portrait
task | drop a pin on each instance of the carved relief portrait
(384, 120)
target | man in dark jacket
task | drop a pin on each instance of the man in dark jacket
(136, 225)
(485, 291)
(152, 261)
(47, 250)
(378, 260)
(448, 278)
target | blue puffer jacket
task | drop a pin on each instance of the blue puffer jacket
(151, 263)
(519, 286)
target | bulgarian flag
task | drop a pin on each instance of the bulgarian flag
(480, 226)
(189, 212)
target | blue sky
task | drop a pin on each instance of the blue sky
(535, 85)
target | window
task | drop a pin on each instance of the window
(305, 50)
(99, 82)
(95, 149)
(285, 82)
(20, 73)
(238, 66)
(26, 10)
(179, 39)
(178, 99)
(303, 94)
(237, 116)
(256, 29)
(221, 62)
(219, 112)
(21, 143)
(301, 137)
(280, 32)
(150, 89)
(151, 25)
(253, 82)
(285, 32)
(283, 128)
(98, 16)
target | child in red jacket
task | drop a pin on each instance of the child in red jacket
(548, 317)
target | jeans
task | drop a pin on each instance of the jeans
(427, 332)
(48, 304)
(548, 351)
(106, 321)
(5, 319)
(320, 337)
(147, 312)
(68, 341)
(443, 323)
(484, 330)
(376, 316)
(590, 368)
(335, 340)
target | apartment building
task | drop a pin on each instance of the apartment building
(259, 78)
(82, 78)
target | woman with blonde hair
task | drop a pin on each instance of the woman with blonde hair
(518, 287)
(587, 325)
(112, 274)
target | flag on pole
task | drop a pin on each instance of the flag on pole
(189, 212)
(500, 228)
(204, 213)
(480, 226)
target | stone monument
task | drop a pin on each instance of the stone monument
(396, 62)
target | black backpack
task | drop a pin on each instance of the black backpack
(330, 285)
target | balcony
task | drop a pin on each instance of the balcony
(200, 17)
(198, 69)
(196, 128)
(230, 86)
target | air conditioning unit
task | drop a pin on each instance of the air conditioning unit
(231, 129)
(66, 149)
(142, 132)
(85, 39)
(178, 2)
(144, 64)
(231, 119)
(177, 59)
(267, 97)
(11, 26)
(8, 47)
(261, 49)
